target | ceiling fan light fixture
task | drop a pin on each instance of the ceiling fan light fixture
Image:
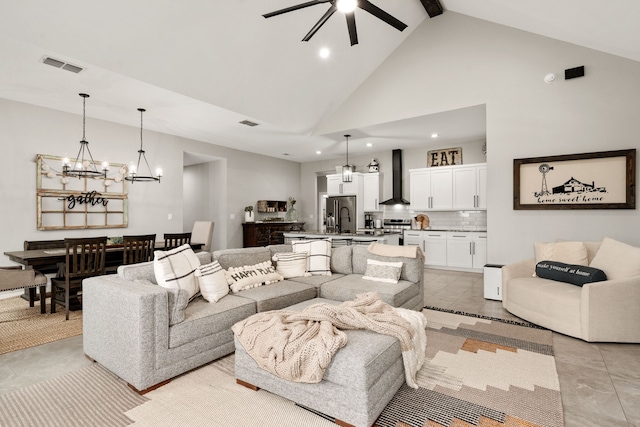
(347, 6)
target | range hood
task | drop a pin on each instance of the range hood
(397, 180)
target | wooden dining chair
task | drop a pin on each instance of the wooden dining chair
(138, 248)
(85, 257)
(28, 245)
(173, 240)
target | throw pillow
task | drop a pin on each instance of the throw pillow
(177, 301)
(212, 282)
(319, 259)
(177, 269)
(567, 252)
(251, 276)
(618, 260)
(379, 271)
(291, 264)
(578, 275)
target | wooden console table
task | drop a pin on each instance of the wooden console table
(267, 232)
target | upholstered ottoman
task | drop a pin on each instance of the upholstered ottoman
(362, 378)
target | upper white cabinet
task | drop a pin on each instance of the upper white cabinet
(371, 192)
(335, 186)
(448, 188)
(470, 187)
(430, 189)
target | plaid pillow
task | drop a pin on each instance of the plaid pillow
(177, 269)
(319, 259)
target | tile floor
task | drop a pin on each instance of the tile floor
(599, 383)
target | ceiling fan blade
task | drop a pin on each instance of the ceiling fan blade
(296, 7)
(351, 25)
(381, 14)
(321, 22)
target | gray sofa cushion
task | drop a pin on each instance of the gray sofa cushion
(276, 296)
(346, 288)
(411, 269)
(341, 260)
(280, 248)
(316, 281)
(203, 318)
(241, 257)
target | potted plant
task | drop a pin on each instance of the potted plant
(248, 214)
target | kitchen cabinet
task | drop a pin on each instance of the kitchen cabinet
(432, 243)
(430, 189)
(335, 186)
(470, 187)
(371, 191)
(466, 250)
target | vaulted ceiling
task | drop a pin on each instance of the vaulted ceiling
(200, 67)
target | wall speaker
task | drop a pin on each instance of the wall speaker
(572, 73)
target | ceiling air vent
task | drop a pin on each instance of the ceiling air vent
(248, 123)
(61, 64)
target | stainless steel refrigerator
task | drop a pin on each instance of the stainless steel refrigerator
(343, 211)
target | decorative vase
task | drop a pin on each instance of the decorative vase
(292, 214)
(248, 216)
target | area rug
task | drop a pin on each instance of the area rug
(91, 396)
(479, 373)
(22, 326)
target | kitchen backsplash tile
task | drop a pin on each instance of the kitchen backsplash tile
(467, 220)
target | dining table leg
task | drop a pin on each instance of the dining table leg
(43, 299)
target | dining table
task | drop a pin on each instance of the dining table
(38, 259)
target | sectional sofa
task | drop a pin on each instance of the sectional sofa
(132, 327)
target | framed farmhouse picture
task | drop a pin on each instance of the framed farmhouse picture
(602, 180)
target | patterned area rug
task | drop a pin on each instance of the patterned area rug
(480, 372)
(22, 326)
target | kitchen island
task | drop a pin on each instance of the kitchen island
(344, 239)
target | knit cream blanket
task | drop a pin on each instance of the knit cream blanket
(299, 346)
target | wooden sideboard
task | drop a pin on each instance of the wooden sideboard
(268, 232)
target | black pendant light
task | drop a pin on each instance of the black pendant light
(347, 170)
(83, 165)
(134, 170)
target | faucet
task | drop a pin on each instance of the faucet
(348, 216)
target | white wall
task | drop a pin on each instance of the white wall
(454, 61)
(27, 130)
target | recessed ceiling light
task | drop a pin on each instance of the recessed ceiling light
(318, 152)
(369, 144)
(324, 53)
(434, 135)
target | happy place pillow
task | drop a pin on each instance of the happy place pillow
(177, 269)
(291, 264)
(319, 259)
(578, 275)
(379, 271)
(251, 276)
(618, 260)
(212, 282)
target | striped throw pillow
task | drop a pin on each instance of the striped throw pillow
(319, 259)
(212, 282)
(177, 269)
(291, 264)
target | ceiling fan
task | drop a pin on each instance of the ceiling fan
(350, 15)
